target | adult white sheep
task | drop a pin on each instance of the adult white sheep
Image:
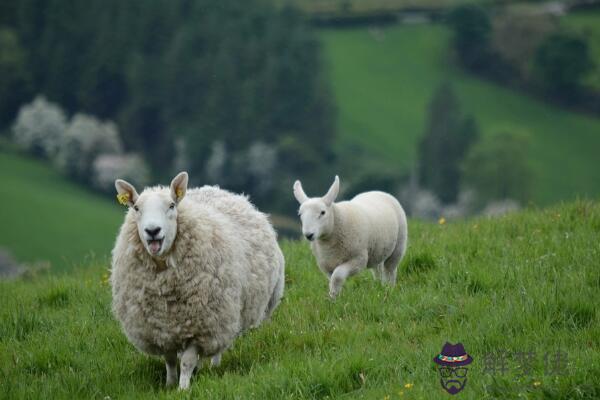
(191, 270)
(346, 237)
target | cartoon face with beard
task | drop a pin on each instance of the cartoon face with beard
(452, 362)
(453, 379)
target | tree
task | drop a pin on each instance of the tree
(85, 139)
(497, 168)
(448, 137)
(561, 62)
(14, 76)
(40, 127)
(471, 27)
(516, 37)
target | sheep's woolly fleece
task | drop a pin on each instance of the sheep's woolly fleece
(223, 275)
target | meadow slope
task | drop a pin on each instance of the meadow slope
(525, 282)
(44, 217)
(384, 78)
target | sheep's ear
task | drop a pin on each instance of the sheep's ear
(299, 193)
(331, 195)
(179, 186)
(126, 193)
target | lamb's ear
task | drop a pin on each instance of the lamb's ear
(299, 193)
(126, 193)
(179, 186)
(331, 195)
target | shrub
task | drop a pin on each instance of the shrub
(40, 127)
(497, 168)
(108, 167)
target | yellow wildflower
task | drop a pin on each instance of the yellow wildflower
(386, 397)
(401, 393)
(442, 221)
(537, 383)
(409, 385)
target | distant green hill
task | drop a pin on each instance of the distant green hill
(45, 217)
(383, 80)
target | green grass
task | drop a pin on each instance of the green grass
(383, 86)
(588, 24)
(528, 281)
(46, 218)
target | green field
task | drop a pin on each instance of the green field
(44, 217)
(383, 81)
(525, 282)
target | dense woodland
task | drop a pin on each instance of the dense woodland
(217, 78)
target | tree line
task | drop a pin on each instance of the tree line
(225, 89)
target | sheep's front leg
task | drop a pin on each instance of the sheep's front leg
(341, 273)
(171, 363)
(189, 360)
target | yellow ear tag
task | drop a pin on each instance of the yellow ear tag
(179, 193)
(123, 198)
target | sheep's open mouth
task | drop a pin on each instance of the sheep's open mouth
(155, 245)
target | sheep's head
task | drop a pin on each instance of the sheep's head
(316, 213)
(155, 212)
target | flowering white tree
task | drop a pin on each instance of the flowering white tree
(85, 139)
(40, 127)
(108, 167)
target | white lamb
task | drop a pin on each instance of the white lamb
(346, 237)
(191, 272)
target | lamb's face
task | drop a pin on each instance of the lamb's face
(155, 212)
(317, 218)
(316, 213)
(156, 217)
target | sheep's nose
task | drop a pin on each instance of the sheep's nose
(152, 232)
(310, 236)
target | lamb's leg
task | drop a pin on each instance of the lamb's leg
(390, 266)
(215, 361)
(342, 272)
(171, 363)
(377, 272)
(189, 360)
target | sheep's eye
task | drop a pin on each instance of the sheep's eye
(136, 208)
(172, 206)
(322, 213)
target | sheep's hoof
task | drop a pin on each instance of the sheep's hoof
(184, 386)
(215, 361)
(333, 295)
(171, 381)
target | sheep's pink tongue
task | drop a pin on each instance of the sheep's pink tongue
(154, 246)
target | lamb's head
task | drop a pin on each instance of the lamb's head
(316, 213)
(155, 212)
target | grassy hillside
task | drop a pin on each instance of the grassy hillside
(384, 79)
(45, 217)
(525, 282)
